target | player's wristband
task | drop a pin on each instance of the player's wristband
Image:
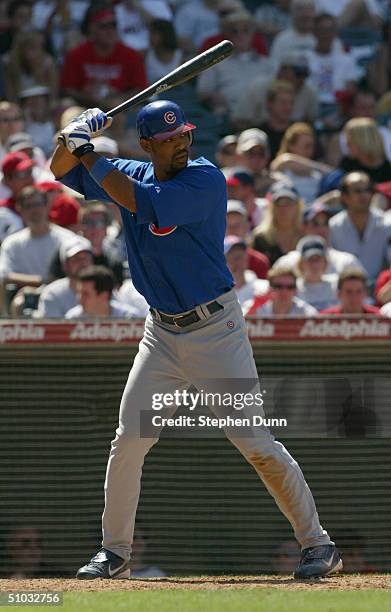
(101, 168)
(85, 148)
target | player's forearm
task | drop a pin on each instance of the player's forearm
(62, 161)
(116, 184)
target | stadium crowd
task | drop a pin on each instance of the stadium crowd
(298, 118)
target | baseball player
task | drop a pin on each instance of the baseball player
(173, 211)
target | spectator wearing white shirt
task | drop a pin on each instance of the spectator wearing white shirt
(60, 296)
(360, 229)
(128, 294)
(25, 255)
(364, 13)
(163, 54)
(195, 21)
(299, 37)
(331, 70)
(316, 223)
(314, 285)
(10, 222)
(94, 288)
(281, 299)
(251, 108)
(385, 310)
(221, 86)
(247, 285)
(273, 18)
(295, 160)
(134, 17)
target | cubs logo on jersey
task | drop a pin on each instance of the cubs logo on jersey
(161, 231)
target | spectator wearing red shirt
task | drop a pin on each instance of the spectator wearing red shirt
(238, 225)
(102, 66)
(352, 292)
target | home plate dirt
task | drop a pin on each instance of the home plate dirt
(210, 583)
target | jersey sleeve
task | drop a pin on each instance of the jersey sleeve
(186, 199)
(81, 181)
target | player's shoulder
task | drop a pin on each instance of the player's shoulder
(201, 165)
(138, 170)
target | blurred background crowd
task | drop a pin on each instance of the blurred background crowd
(298, 119)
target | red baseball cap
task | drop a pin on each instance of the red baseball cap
(16, 162)
(49, 186)
(64, 210)
(105, 14)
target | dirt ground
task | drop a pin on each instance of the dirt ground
(210, 583)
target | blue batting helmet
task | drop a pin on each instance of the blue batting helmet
(161, 120)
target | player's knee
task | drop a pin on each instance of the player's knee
(127, 440)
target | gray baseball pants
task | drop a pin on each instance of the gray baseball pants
(172, 359)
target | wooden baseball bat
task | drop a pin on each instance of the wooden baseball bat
(180, 75)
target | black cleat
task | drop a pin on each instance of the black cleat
(105, 564)
(318, 561)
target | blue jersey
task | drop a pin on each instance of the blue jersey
(175, 240)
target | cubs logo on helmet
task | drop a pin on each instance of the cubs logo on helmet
(161, 231)
(169, 117)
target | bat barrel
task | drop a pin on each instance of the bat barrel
(180, 75)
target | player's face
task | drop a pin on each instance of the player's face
(168, 156)
(352, 295)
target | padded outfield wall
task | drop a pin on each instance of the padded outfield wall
(203, 507)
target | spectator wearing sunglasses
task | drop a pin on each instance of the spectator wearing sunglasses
(94, 219)
(361, 229)
(281, 299)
